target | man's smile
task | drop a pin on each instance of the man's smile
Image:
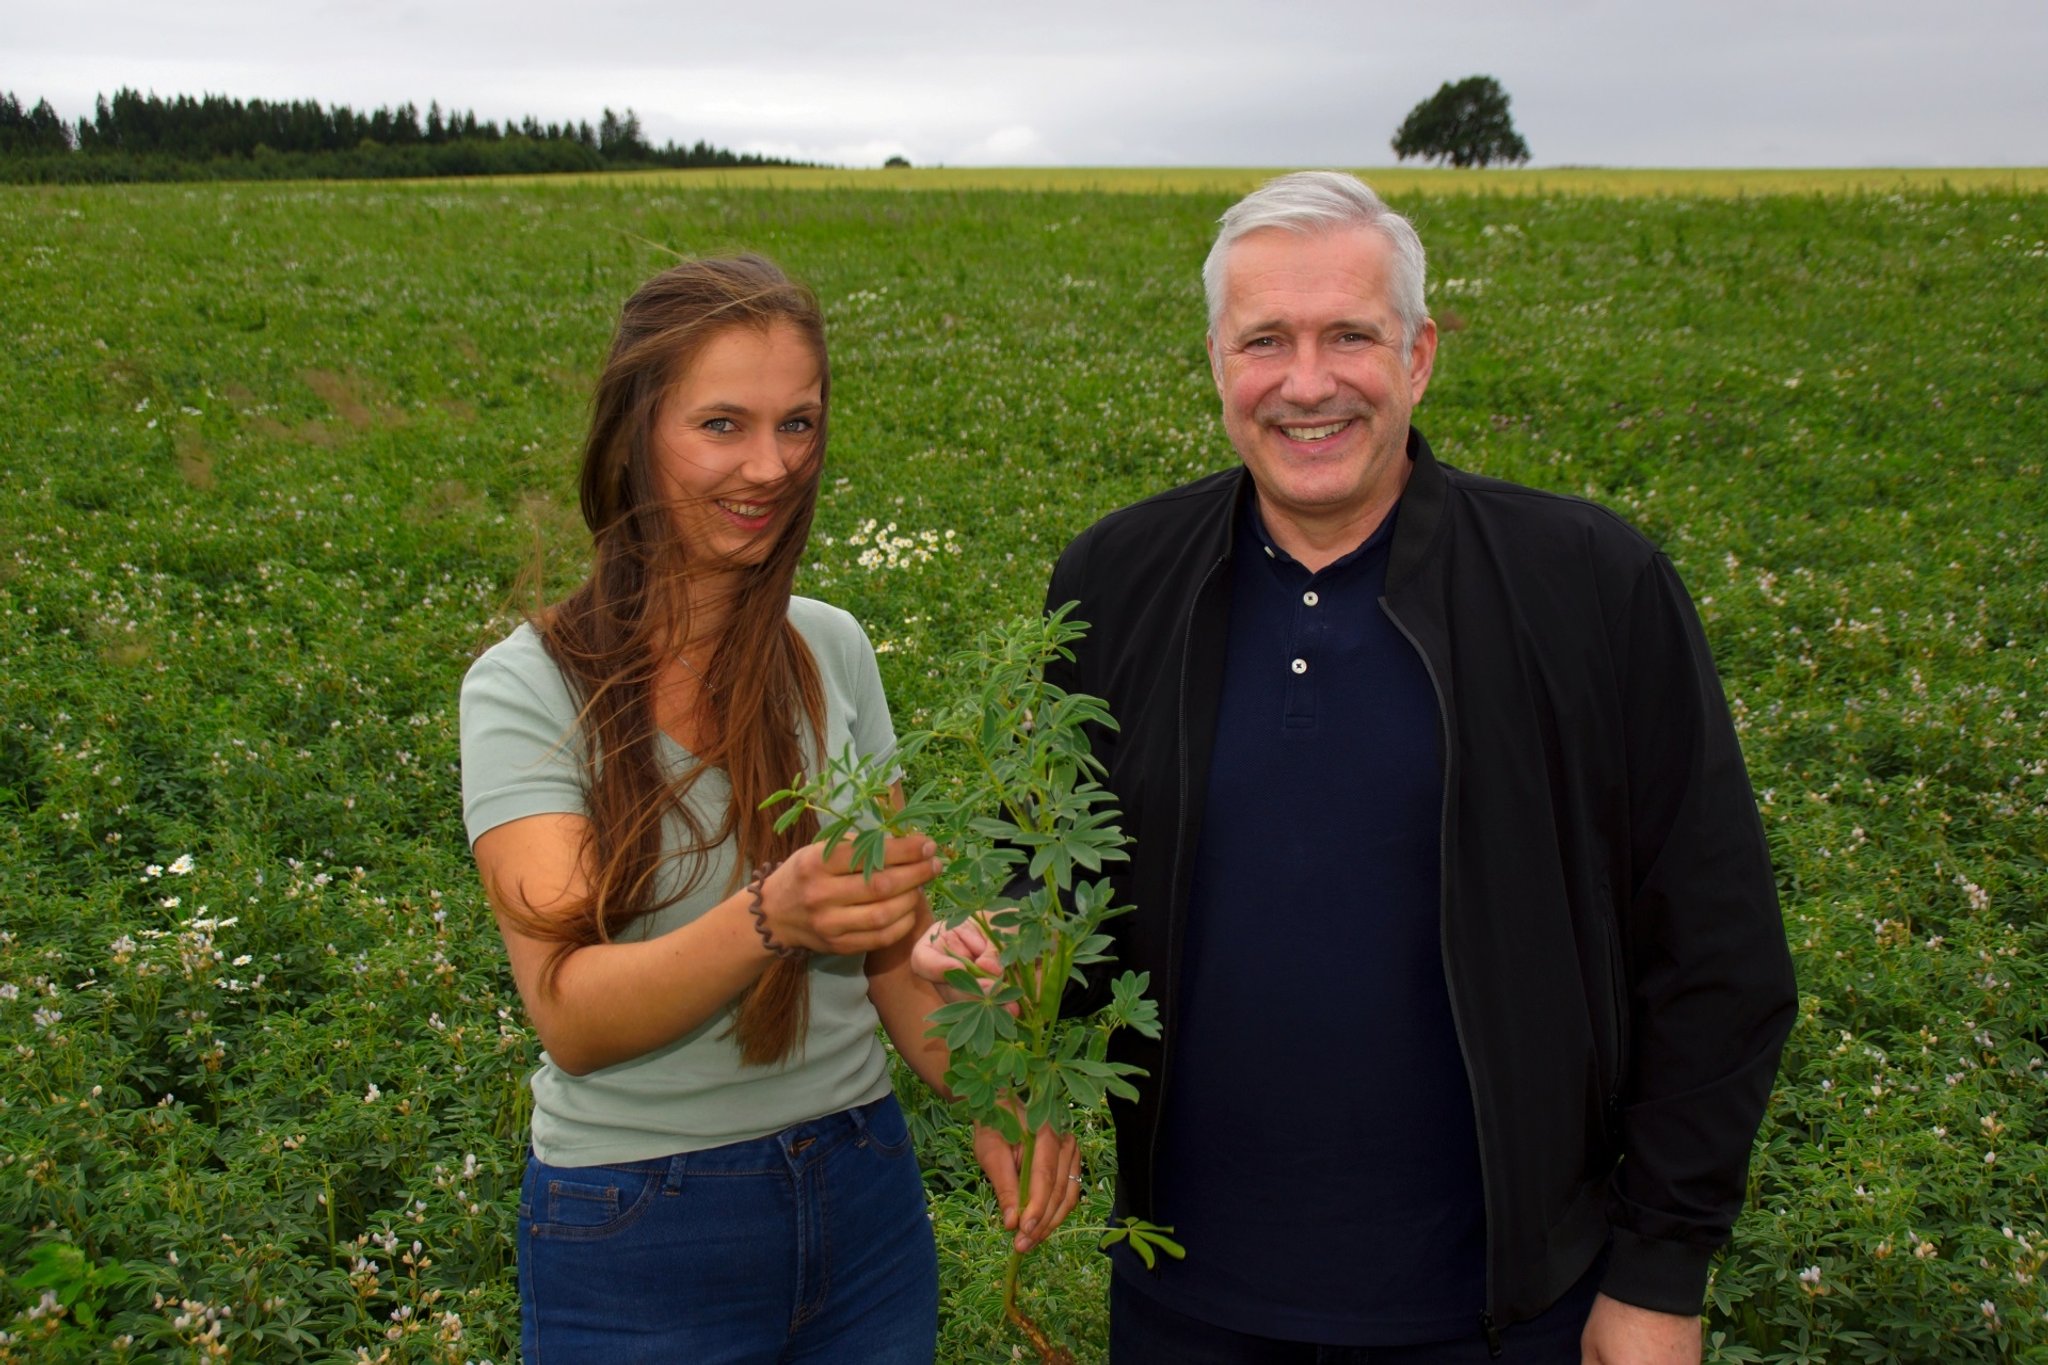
(1314, 433)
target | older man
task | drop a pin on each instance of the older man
(1446, 867)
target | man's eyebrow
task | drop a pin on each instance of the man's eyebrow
(1260, 326)
(1265, 326)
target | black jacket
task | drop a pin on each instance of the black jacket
(1617, 966)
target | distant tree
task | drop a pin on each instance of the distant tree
(26, 132)
(619, 138)
(137, 136)
(896, 163)
(1465, 123)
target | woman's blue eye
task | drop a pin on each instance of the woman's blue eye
(797, 424)
(719, 424)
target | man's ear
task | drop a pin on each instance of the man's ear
(1421, 361)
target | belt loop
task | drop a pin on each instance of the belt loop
(859, 1117)
(672, 1183)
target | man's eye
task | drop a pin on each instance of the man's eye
(1261, 344)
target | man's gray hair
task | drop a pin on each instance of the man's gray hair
(1320, 201)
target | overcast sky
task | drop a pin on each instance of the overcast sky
(1852, 83)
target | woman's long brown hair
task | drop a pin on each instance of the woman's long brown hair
(760, 691)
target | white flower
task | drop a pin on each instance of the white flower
(373, 1094)
(181, 866)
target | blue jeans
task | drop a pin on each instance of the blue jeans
(812, 1244)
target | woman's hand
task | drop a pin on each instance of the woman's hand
(610, 1002)
(819, 902)
(968, 945)
(1055, 1180)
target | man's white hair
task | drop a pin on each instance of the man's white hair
(1322, 201)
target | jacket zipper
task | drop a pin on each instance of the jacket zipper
(1487, 1327)
(1180, 836)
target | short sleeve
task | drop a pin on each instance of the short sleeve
(521, 754)
(874, 734)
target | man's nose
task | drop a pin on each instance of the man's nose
(1308, 380)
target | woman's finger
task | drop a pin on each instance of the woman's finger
(865, 927)
(896, 849)
(1049, 1184)
(1075, 1183)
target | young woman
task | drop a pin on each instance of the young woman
(719, 1170)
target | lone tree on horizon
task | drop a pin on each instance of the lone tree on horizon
(1465, 123)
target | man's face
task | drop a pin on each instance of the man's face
(1316, 393)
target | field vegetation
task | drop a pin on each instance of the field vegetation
(1406, 183)
(278, 459)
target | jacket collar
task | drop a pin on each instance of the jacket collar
(1422, 510)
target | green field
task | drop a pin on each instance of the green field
(1396, 182)
(278, 459)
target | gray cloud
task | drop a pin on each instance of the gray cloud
(1198, 82)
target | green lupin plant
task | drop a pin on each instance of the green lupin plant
(1027, 828)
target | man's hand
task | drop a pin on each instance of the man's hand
(1055, 1181)
(1620, 1333)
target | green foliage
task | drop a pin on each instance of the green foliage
(1465, 123)
(277, 454)
(1021, 815)
(138, 137)
(31, 132)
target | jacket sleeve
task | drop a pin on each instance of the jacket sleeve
(1068, 583)
(1712, 995)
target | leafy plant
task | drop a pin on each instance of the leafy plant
(1028, 829)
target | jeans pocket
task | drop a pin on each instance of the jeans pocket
(587, 1203)
(887, 1131)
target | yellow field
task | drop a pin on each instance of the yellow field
(1395, 182)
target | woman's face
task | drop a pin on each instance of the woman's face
(731, 433)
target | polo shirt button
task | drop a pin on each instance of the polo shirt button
(1300, 665)
(1310, 599)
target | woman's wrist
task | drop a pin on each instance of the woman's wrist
(757, 890)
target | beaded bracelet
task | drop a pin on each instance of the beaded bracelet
(761, 872)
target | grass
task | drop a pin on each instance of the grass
(1393, 181)
(276, 457)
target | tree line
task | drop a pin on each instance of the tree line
(133, 136)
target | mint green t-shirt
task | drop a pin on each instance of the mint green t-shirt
(521, 756)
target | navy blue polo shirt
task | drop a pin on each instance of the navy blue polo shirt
(1318, 1157)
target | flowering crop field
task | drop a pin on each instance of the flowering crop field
(277, 460)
